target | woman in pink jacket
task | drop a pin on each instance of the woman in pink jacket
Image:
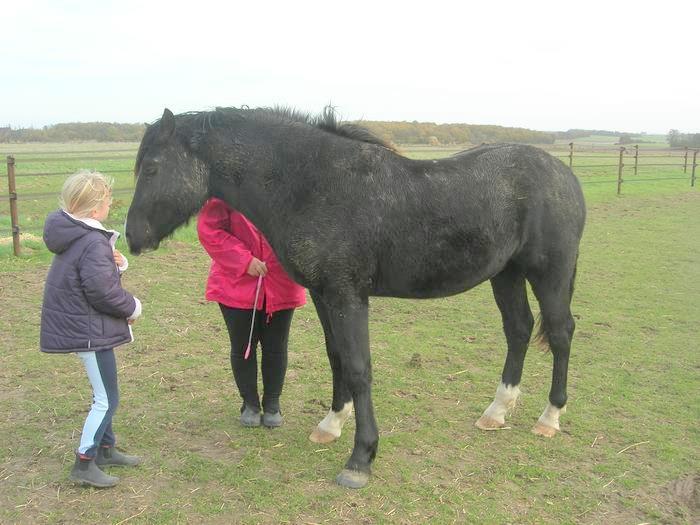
(240, 254)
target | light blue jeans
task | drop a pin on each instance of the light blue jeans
(101, 369)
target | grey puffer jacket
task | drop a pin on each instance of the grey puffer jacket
(85, 308)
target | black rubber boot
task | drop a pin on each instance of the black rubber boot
(110, 456)
(250, 417)
(272, 420)
(85, 471)
(272, 417)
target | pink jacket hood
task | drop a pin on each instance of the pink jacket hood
(232, 241)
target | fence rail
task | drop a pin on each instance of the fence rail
(63, 159)
(52, 194)
(686, 159)
(49, 174)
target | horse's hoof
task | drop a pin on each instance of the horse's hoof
(352, 479)
(544, 430)
(488, 423)
(321, 436)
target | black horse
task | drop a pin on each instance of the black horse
(348, 217)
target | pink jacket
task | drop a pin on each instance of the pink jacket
(232, 241)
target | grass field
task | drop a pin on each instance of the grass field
(629, 450)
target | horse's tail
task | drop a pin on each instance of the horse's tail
(542, 335)
(541, 338)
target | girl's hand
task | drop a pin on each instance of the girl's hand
(256, 268)
(118, 258)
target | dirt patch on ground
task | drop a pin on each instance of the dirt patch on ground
(675, 502)
(685, 493)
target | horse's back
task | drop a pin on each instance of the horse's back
(472, 214)
(393, 226)
(529, 177)
(548, 198)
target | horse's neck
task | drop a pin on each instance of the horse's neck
(234, 161)
(230, 182)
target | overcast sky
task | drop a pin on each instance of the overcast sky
(615, 65)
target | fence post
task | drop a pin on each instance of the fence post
(692, 176)
(619, 170)
(13, 203)
(636, 158)
(685, 161)
(571, 154)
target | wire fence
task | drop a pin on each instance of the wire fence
(629, 158)
(41, 173)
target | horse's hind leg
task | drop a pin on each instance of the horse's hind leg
(553, 292)
(331, 426)
(511, 296)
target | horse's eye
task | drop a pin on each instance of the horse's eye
(149, 169)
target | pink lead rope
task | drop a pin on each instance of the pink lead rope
(252, 321)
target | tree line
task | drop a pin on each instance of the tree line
(677, 139)
(414, 132)
(396, 132)
(76, 132)
(437, 134)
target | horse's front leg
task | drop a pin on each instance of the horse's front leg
(348, 323)
(331, 426)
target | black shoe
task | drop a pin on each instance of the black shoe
(250, 417)
(110, 456)
(85, 471)
(272, 420)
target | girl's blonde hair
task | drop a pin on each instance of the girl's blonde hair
(84, 191)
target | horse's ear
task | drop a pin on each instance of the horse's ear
(167, 125)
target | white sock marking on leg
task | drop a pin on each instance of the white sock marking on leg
(550, 416)
(334, 421)
(504, 401)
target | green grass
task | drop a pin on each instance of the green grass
(633, 381)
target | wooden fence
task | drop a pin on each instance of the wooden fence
(621, 161)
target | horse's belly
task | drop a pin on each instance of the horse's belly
(437, 258)
(433, 278)
(433, 292)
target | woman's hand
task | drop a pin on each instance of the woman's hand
(257, 268)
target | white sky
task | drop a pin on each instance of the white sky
(545, 65)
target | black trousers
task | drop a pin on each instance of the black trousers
(273, 336)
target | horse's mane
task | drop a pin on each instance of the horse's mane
(326, 121)
(202, 121)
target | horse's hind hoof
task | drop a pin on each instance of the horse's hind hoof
(544, 430)
(352, 479)
(488, 423)
(321, 436)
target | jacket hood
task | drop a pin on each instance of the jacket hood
(61, 231)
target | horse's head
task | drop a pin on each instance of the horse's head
(171, 185)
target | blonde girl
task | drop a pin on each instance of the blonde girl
(86, 311)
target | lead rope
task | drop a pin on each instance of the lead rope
(252, 321)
